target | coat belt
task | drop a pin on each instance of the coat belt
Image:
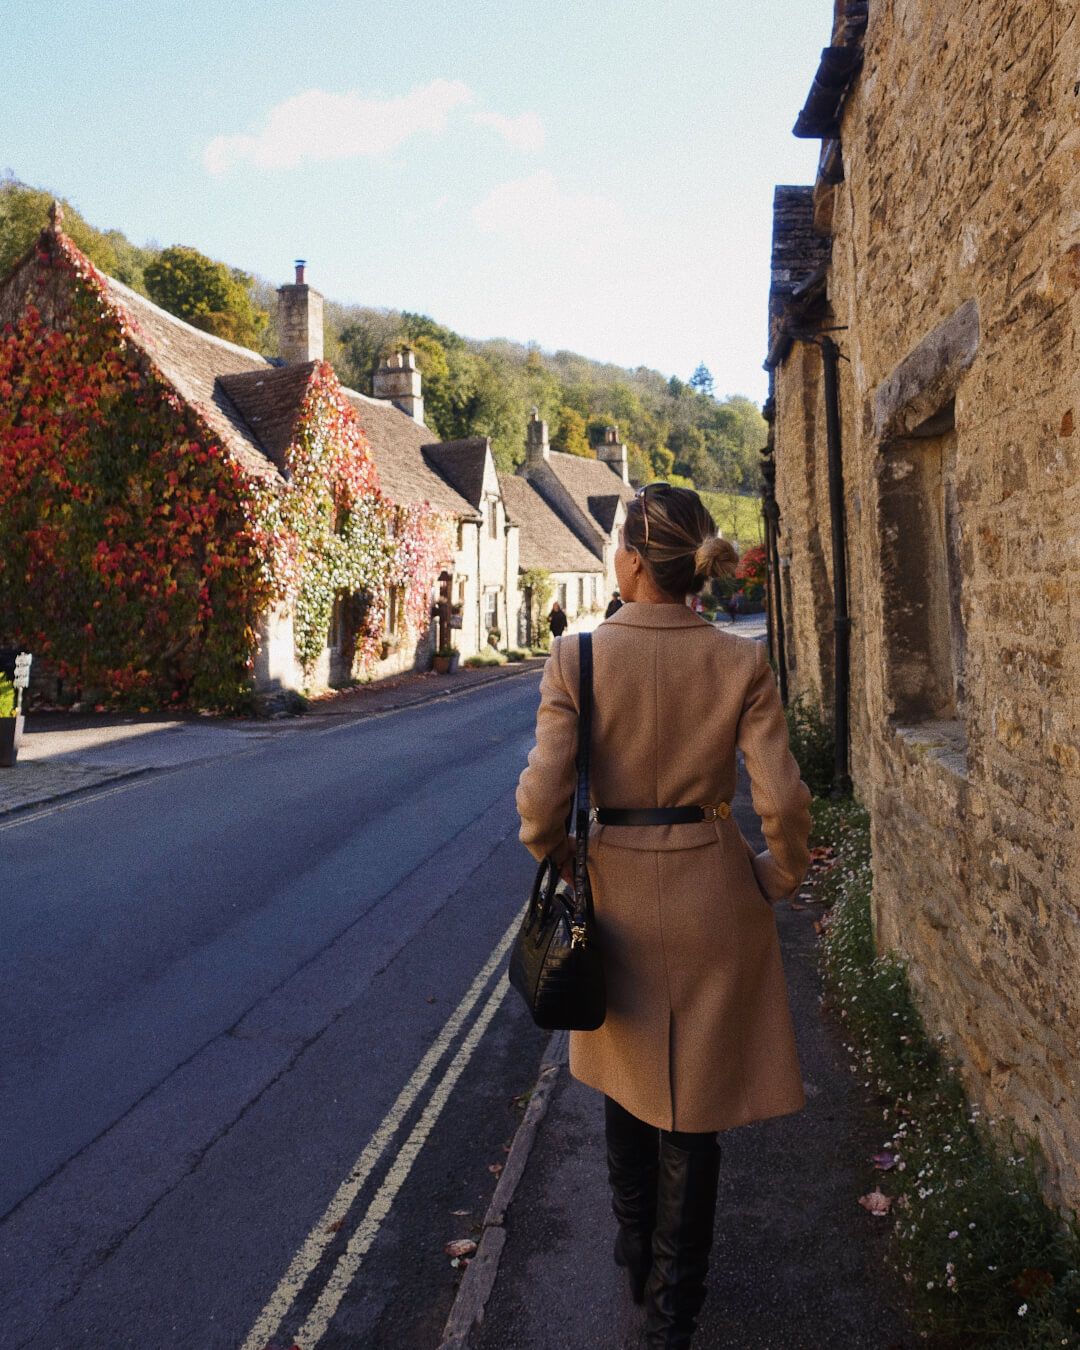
(660, 815)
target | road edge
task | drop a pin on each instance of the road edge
(479, 1279)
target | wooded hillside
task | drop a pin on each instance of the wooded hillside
(674, 430)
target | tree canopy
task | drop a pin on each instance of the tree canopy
(208, 294)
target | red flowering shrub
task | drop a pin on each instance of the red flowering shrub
(752, 565)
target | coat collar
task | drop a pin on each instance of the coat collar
(657, 616)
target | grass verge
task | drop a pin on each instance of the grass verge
(986, 1260)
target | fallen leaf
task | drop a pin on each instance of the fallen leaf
(431, 999)
(459, 1213)
(460, 1247)
(878, 1204)
(796, 906)
(884, 1162)
(495, 1169)
(336, 1227)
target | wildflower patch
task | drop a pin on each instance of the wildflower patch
(986, 1260)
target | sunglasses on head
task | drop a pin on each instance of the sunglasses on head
(641, 492)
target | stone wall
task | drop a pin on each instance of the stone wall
(954, 284)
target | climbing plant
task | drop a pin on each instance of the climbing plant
(135, 553)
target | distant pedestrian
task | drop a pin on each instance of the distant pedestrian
(614, 605)
(557, 620)
(698, 1035)
(732, 607)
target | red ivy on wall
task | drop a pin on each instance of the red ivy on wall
(135, 553)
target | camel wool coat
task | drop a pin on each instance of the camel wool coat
(698, 1033)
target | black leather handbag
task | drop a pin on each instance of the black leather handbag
(554, 963)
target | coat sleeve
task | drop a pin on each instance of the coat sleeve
(547, 783)
(781, 799)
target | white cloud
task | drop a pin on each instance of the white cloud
(523, 133)
(536, 210)
(319, 126)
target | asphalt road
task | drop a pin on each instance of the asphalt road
(256, 1056)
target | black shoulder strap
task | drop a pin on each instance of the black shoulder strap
(581, 822)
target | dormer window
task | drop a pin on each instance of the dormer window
(493, 517)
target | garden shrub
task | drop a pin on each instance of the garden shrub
(811, 742)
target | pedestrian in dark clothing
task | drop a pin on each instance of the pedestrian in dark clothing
(557, 620)
(614, 605)
(733, 607)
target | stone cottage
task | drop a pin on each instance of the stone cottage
(265, 422)
(549, 544)
(589, 496)
(924, 320)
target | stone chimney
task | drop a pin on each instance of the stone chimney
(537, 450)
(300, 321)
(398, 380)
(613, 452)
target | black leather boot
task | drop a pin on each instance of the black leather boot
(633, 1163)
(682, 1240)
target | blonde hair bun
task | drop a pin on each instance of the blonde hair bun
(716, 557)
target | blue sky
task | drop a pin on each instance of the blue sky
(597, 178)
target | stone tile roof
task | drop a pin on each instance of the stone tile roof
(461, 463)
(544, 540)
(594, 486)
(193, 362)
(397, 442)
(269, 400)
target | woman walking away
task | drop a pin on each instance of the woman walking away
(698, 1034)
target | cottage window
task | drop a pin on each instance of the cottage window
(393, 611)
(561, 595)
(493, 517)
(581, 592)
(491, 610)
(921, 532)
(460, 535)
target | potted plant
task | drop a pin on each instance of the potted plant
(445, 660)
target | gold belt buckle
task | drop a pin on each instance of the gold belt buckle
(719, 812)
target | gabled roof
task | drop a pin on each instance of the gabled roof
(397, 443)
(462, 464)
(544, 540)
(594, 486)
(604, 510)
(193, 362)
(269, 400)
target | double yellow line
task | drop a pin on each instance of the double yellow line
(308, 1257)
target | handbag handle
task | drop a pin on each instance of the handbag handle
(582, 888)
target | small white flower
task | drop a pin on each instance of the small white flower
(1022, 1310)
(953, 1234)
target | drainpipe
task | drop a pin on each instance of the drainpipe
(841, 620)
(771, 511)
(480, 635)
(776, 603)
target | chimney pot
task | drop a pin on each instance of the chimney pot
(301, 263)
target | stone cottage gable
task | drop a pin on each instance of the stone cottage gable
(545, 540)
(127, 510)
(194, 362)
(596, 491)
(270, 401)
(467, 465)
(397, 444)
